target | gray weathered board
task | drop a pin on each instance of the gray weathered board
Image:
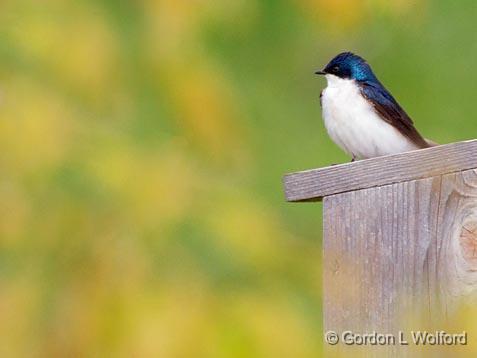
(400, 237)
(317, 183)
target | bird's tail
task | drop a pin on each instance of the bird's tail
(431, 143)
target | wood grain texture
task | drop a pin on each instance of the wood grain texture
(399, 254)
(456, 240)
(312, 185)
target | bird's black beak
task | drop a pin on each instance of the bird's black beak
(320, 73)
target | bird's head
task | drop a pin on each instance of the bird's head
(347, 65)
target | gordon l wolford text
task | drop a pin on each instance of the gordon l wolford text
(401, 338)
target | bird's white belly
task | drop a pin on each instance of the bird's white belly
(353, 124)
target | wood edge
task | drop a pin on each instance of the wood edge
(292, 199)
(381, 158)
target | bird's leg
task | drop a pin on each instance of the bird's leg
(353, 159)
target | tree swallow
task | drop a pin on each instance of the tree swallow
(360, 115)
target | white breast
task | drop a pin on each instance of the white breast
(354, 125)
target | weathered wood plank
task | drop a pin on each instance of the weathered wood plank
(316, 183)
(375, 249)
(399, 255)
(456, 241)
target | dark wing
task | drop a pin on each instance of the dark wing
(388, 108)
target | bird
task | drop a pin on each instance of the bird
(360, 114)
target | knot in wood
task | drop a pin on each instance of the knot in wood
(468, 243)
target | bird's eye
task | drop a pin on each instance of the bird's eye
(335, 69)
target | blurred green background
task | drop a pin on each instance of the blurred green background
(142, 145)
